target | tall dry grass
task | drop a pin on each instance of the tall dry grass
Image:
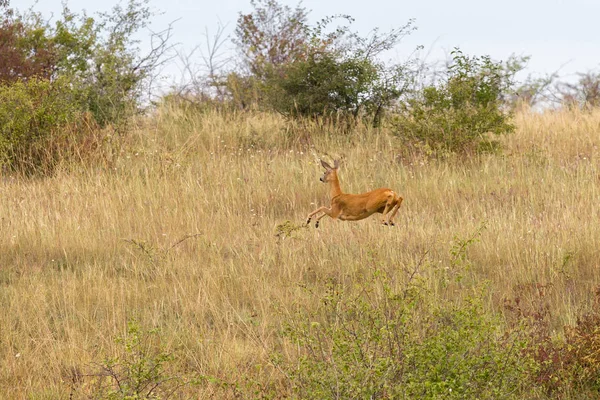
(181, 233)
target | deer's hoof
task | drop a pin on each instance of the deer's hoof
(317, 224)
(308, 221)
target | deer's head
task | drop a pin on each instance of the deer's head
(330, 172)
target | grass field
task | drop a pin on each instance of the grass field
(196, 229)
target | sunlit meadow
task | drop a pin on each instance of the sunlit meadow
(196, 228)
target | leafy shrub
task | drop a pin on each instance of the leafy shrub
(321, 86)
(567, 367)
(386, 344)
(583, 343)
(139, 371)
(33, 114)
(98, 55)
(102, 60)
(457, 115)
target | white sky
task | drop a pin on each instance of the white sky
(558, 34)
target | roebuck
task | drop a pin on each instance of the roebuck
(354, 207)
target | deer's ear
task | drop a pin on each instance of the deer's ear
(325, 165)
(336, 164)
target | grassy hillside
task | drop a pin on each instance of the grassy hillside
(196, 229)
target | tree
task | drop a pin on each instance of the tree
(320, 70)
(103, 60)
(273, 35)
(25, 49)
(585, 93)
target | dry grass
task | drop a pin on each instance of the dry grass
(84, 251)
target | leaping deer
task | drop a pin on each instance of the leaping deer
(354, 207)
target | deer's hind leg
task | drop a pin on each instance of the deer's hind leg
(390, 207)
(394, 211)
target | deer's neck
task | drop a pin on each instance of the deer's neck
(334, 187)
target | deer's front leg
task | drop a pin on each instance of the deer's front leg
(333, 212)
(326, 212)
(318, 210)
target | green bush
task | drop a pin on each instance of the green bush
(321, 86)
(34, 113)
(459, 114)
(385, 344)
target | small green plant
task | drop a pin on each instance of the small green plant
(139, 371)
(458, 114)
(460, 263)
(155, 255)
(287, 229)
